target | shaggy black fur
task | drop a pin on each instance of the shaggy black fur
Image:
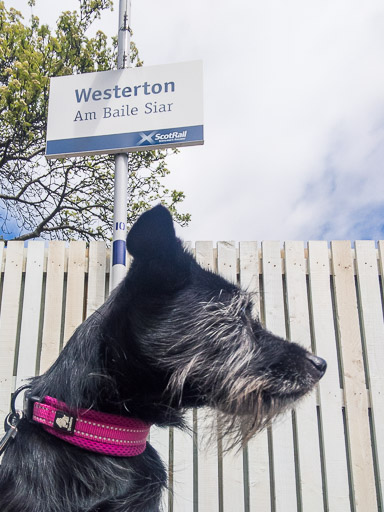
(171, 336)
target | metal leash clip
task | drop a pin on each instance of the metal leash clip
(10, 426)
(12, 421)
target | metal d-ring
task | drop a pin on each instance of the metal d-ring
(15, 395)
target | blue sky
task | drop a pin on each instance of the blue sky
(294, 113)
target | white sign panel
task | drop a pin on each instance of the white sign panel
(125, 110)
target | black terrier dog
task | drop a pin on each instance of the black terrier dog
(171, 336)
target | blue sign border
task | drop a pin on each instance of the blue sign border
(136, 141)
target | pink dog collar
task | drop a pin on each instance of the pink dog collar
(92, 430)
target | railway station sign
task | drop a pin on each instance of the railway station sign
(125, 110)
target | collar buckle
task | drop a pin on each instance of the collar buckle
(29, 402)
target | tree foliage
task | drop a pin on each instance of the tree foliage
(61, 199)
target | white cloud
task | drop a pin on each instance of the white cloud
(346, 198)
(294, 104)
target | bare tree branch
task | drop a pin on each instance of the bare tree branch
(63, 198)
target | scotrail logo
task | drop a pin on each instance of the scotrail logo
(161, 137)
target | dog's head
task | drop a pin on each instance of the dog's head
(195, 332)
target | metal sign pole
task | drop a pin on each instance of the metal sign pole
(119, 264)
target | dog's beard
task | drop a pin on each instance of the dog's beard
(241, 404)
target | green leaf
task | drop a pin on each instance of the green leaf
(62, 198)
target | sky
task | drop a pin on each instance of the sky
(293, 112)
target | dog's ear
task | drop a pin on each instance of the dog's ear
(160, 265)
(152, 235)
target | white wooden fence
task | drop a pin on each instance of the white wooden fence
(327, 455)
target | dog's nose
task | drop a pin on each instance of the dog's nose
(319, 363)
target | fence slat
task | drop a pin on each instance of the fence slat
(335, 460)
(53, 306)
(249, 272)
(282, 432)
(74, 305)
(96, 276)
(183, 467)
(232, 462)
(159, 439)
(356, 403)
(373, 331)
(10, 307)
(258, 454)
(226, 260)
(1, 257)
(30, 322)
(208, 482)
(306, 412)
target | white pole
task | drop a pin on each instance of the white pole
(119, 264)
